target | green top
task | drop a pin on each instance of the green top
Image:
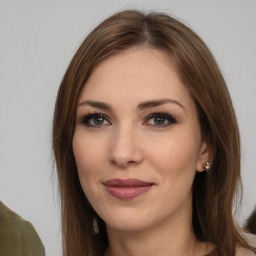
(17, 236)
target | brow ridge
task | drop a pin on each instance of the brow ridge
(96, 104)
(159, 102)
(141, 106)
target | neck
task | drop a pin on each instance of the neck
(174, 238)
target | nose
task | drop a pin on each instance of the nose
(125, 148)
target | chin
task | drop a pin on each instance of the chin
(127, 221)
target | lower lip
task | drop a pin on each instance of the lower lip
(127, 193)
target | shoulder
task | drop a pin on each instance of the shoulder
(240, 251)
(9, 219)
(251, 239)
(15, 232)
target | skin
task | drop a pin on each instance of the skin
(127, 143)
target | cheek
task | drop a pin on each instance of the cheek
(87, 149)
(89, 157)
(175, 162)
(176, 153)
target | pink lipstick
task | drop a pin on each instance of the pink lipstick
(127, 189)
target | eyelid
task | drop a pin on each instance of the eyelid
(84, 119)
(171, 119)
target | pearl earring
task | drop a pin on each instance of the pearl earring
(207, 166)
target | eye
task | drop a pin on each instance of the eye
(95, 120)
(160, 119)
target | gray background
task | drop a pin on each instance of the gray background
(37, 41)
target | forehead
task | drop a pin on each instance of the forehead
(136, 74)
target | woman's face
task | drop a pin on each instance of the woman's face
(137, 141)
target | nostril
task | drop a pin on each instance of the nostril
(123, 163)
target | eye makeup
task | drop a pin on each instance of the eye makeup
(159, 119)
(94, 120)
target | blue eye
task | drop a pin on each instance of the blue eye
(94, 120)
(160, 120)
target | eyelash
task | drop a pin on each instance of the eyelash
(87, 118)
(164, 116)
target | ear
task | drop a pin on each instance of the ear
(204, 155)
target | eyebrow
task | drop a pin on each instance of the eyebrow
(155, 103)
(96, 104)
(141, 106)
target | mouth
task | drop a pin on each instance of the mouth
(127, 189)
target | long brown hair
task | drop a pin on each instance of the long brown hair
(214, 193)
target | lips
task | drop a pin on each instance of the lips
(127, 189)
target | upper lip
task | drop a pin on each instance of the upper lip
(126, 183)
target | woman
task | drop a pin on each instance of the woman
(146, 144)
